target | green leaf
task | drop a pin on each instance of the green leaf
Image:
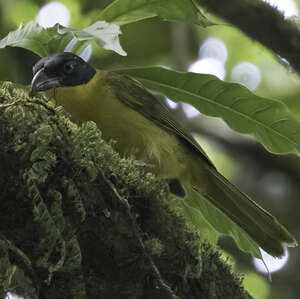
(269, 120)
(31, 37)
(46, 41)
(194, 218)
(219, 223)
(122, 12)
(103, 33)
(198, 221)
(210, 222)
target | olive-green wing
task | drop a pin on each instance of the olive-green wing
(133, 94)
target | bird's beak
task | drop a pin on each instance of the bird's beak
(41, 81)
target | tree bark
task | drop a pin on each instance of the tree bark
(77, 221)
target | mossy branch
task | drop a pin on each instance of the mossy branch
(77, 221)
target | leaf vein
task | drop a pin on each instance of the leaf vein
(222, 106)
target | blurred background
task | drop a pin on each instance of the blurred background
(225, 52)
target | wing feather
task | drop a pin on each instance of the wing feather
(134, 95)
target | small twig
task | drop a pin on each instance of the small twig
(23, 257)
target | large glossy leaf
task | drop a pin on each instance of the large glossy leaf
(128, 11)
(269, 120)
(46, 41)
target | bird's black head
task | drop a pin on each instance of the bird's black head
(59, 70)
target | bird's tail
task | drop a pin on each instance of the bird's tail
(262, 227)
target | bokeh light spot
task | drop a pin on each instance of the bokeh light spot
(273, 264)
(247, 74)
(208, 66)
(52, 13)
(189, 110)
(171, 104)
(86, 54)
(69, 47)
(13, 296)
(213, 48)
(276, 185)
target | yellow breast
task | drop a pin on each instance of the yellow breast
(135, 135)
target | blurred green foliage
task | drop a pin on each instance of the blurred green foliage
(278, 81)
(257, 286)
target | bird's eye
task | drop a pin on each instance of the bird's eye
(69, 67)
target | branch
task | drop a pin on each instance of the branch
(263, 23)
(77, 221)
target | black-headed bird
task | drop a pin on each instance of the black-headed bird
(143, 127)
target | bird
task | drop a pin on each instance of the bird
(143, 127)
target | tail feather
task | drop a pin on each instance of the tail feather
(262, 227)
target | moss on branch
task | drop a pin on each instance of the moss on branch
(77, 221)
